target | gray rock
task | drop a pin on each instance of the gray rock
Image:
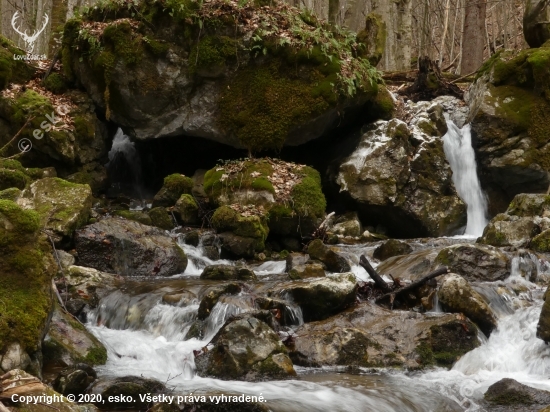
(398, 176)
(457, 296)
(390, 248)
(347, 225)
(475, 262)
(129, 248)
(212, 296)
(510, 392)
(543, 327)
(333, 261)
(74, 379)
(246, 349)
(319, 298)
(14, 357)
(227, 272)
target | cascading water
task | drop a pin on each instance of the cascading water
(124, 166)
(457, 144)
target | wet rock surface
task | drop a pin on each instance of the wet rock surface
(509, 392)
(129, 249)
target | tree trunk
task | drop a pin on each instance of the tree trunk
(536, 22)
(474, 36)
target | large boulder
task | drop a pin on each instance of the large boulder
(63, 206)
(510, 393)
(457, 296)
(369, 335)
(543, 327)
(129, 248)
(475, 262)
(319, 298)
(288, 195)
(27, 268)
(246, 349)
(526, 217)
(68, 342)
(398, 176)
(510, 117)
(251, 85)
(64, 131)
(175, 185)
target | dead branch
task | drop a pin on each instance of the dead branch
(392, 295)
(364, 262)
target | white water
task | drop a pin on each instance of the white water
(145, 337)
(457, 144)
(124, 166)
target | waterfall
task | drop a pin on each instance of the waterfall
(457, 144)
(124, 166)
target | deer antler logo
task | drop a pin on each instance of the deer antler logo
(29, 40)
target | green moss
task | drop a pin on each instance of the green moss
(155, 47)
(211, 53)
(55, 83)
(26, 272)
(12, 71)
(541, 242)
(96, 356)
(227, 219)
(134, 215)
(31, 104)
(10, 194)
(178, 183)
(261, 105)
(160, 218)
(308, 198)
(84, 127)
(12, 178)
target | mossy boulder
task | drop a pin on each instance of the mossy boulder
(68, 342)
(227, 272)
(63, 206)
(68, 135)
(27, 267)
(161, 218)
(510, 117)
(307, 270)
(174, 186)
(128, 248)
(255, 86)
(543, 327)
(246, 349)
(13, 71)
(319, 298)
(390, 248)
(187, 210)
(240, 235)
(289, 194)
(398, 176)
(347, 225)
(457, 296)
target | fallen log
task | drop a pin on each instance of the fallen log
(393, 294)
(381, 283)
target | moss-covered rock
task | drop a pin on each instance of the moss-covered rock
(161, 218)
(510, 393)
(63, 206)
(187, 210)
(12, 71)
(68, 342)
(510, 116)
(10, 194)
(252, 85)
(135, 215)
(27, 268)
(175, 185)
(240, 235)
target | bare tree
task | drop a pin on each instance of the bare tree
(473, 43)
